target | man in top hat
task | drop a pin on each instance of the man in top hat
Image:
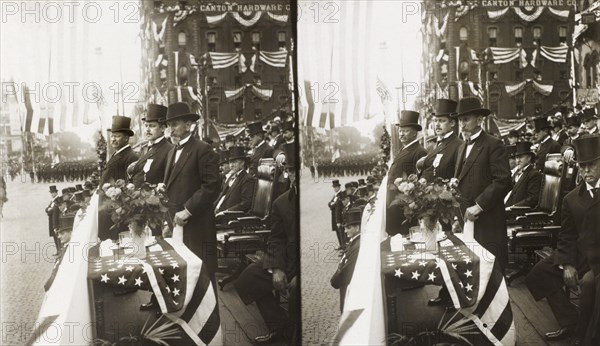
(559, 134)
(546, 145)
(151, 166)
(576, 259)
(405, 164)
(483, 178)
(279, 267)
(115, 169)
(287, 137)
(78, 187)
(50, 212)
(192, 185)
(567, 149)
(342, 276)
(229, 141)
(527, 180)
(224, 168)
(513, 137)
(276, 137)
(590, 121)
(333, 204)
(260, 148)
(238, 188)
(442, 160)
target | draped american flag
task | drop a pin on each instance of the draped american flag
(383, 91)
(180, 283)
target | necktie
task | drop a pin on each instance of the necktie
(517, 174)
(438, 142)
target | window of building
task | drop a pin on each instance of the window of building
(281, 39)
(492, 36)
(463, 34)
(213, 107)
(590, 68)
(443, 43)
(563, 95)
(518, 36)
(211, 81)
(239, 109)
(519, 103)
(211, 39)
(257, 80)
(538, 75)
(493, 76)
(518, 76)
(564, 75)
(257, 113)
(237, 40)
(237, 81)
(181, 39)
(562, 34)
(537, 35)
(256, 40)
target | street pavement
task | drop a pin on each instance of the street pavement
(319, 260)
(27, 257)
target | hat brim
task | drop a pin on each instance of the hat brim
(587, 160)
(416, 126)
(188, 116)
(129, 132)
(159, 120)
(479, 111)
(449, 115)
(245, 158)
(525, 153)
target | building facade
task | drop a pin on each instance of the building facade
(516, 55)
(587, 47)
(231, 62)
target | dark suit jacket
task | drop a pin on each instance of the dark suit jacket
(50, 213)
(193, 183)
(159, 154)
(239, 196)
(116, 167)
(484, 178)
(548, 147)
(264, 151)
(445, 169)
(343, 274)
(282, 245)
(403, 166)
(526, 191)
(333, 207)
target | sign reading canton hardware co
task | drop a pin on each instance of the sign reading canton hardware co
(235, 7)
(525, 3)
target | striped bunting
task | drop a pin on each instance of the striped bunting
(504, 55)
(223, 60)
(556, 54)
(275, 59)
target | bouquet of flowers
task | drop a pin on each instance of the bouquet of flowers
(436, 200)
(127, 204)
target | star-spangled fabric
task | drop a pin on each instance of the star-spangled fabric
(476, 284)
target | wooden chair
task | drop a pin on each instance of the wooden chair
(248, 233)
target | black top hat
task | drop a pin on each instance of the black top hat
(522, 148)
(445, 108)
(229, 138)
(572, 121)
(53, 188)
(78, 196)
(361, 182)
(72, 189)
(86, 193)
(541, 123)
(336, 183)
(121, 124)
(88, 185)
(237, 153)
(513, 133)
(288, 126)
(223, 156)
(156, 113)
(471, 105)
(557, 123)
(65, 222)
(78, 187)
(275, 128)
(587, 148)
(180, 110)
(66, 190)
(59, 200)
(588, 114)
(255, 128)
(290, 155)
(348, 185)
(511, 149)
(352, 216)
(409, 118)
(370, 187)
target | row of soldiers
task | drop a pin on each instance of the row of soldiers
(201, 182)
(352, 165)
(65, 171)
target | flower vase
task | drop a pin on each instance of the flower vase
(138, 239)
(430, 227)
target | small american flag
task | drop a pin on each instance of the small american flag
(383, 91)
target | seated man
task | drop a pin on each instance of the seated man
(238, 188)
(341, 278)
(576, 251)
(527, 180)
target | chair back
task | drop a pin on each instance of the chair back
(552, 184)
(264, 191)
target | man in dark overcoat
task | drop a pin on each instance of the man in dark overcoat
(192, 185)
(546, 145)
(238, 189)
(152, 164)
(343, 275)
(483, 177)
(115, 169)
(527, 180)
(49, 212)
(279, 268)
(576, 259)
(405, 164)
(260, 148)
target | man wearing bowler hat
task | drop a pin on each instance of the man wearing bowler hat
(260, 148)
(543, 138)
(405, 164)
(590, 121)
(192, 185)
(483, 177)
(279, 268)
(238, 188)
(576, 260)
(527, 180)
(115, 169)
(440, 162)
(151, 166)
